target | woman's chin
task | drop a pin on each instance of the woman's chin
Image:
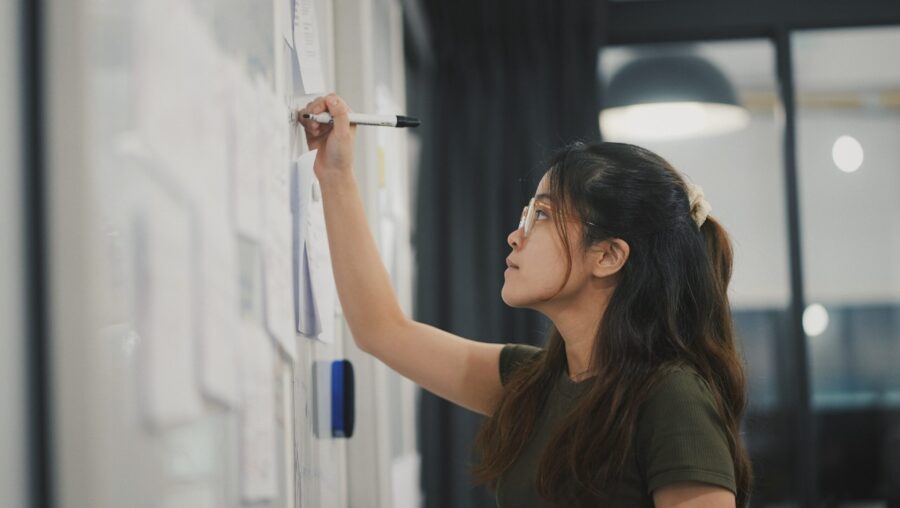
(509, 299)
(505, 296)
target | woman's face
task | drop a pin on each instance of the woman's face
(539, 261)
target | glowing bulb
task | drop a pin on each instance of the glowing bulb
(815, 320)
(847, 154)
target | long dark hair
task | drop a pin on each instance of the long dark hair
(669, 308)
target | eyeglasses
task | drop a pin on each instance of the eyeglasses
(529, 215)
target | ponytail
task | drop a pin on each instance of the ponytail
(733, 398)
(718, 248)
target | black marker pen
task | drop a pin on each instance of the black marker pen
(364, 119)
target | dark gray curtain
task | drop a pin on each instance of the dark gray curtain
(499, 85)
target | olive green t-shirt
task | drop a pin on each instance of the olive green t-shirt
(679, 438)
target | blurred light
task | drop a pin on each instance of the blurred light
(847, 154)
(671, 120)
(815, 320)
(670, 97)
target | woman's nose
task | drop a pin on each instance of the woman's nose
(515, 239)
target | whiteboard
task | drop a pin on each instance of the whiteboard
(174, 384)
(13, 332)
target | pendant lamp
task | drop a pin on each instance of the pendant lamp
(670, 97)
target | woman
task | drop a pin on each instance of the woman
(637, 398)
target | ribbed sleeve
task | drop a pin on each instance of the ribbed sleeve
(680, 436)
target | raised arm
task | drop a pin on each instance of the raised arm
(462, 371)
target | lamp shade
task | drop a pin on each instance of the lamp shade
(670, 97)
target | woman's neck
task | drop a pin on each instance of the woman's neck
(578, 320)
(579, 336)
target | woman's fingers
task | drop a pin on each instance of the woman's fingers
(340, 112)
(313, 128)
(314, 107)
(318, 135)
(317, 105)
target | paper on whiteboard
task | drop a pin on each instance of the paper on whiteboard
(196, 495)
(285, 13)
(164, 311)
(308, 322)
(320, 269)
(277, 237)
(213, 268)
(297, 140)
(217, 265)
(178, 69)
(249, 155)
(287, 426)
(315, 283)
(304, 305)
(176, 72)
(258, 464)
(217, 260)
(307, 46)
(277, 273)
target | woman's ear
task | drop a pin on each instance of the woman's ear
(609, 257)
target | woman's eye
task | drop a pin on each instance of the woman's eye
(540, 214)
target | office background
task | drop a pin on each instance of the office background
(816, 284)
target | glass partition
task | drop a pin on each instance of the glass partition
(848, 125)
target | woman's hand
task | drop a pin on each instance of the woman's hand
(334, 141)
